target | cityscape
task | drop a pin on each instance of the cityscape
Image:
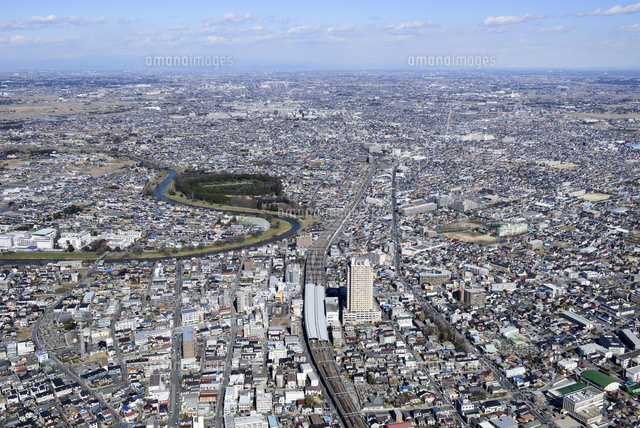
(290, 217)
(450, 249)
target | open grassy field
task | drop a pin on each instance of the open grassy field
(101, 168)
(97, 356)
(50, 106)
(111, 165)
(472, 237)
(562, 245)
(48, 256)
(564, 165)
(472, 223)
(27, 105)
(595, 197)
(566, 228)
(24, 333)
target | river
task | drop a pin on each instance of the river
(158, 192)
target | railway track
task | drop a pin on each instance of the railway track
(350, 415)
(321, 351)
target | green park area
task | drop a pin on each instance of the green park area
(218, 187)
(253, 191)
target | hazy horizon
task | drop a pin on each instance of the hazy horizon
(332, 35)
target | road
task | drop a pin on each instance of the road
(504, 382)
(176, 346)
(397, 257)
(116, 347)
(54, 361)
(147, 289)
(322, 355)
(232, 341)
(515, 393)
(419, 360)
(265, 351)
(395, 236)
(72, 375)
(36, 324)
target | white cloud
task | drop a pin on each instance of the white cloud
(411, 25)
(556, 29)
(303, 29)
(493, 21)
(248, 28)
(400, 37)
(64, 20)
(230, 18)
(215, 40)
(22, 40)
(406, 26)
(629, 28)
(414, 28)
(615, 10)
(124, 21)
(37, 22)
(209, 30)
(11, 25)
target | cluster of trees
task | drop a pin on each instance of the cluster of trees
(97, 246)
(261, 205)
(439, 327)
(221, 188)
(233, 239)
(71, 209)
(68, 211)
(69, 324)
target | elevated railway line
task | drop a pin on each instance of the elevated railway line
(315, 327)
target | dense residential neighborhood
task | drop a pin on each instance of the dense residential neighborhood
(478, 232)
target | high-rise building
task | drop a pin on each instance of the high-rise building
(244, 301)
(360, 307)
(292, 275)
(188, 343)
(264, 402)
(333, 311)
(359, 285)
(295, 327)
(473, 297)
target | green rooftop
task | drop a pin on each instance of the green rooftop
(572, 388)
(515, 339)
(599, 378)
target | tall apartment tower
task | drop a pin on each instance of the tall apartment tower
(359, 285)
(188, 342)
(244, 301)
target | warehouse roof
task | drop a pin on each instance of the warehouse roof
(598, 378)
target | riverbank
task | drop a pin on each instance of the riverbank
(287, 226)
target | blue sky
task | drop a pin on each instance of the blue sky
(326, 34)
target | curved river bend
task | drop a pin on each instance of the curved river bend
(158, 192)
